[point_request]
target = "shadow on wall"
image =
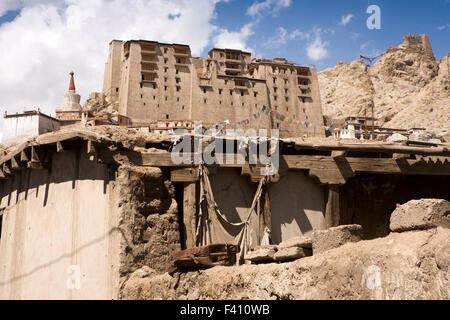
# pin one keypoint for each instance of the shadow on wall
(297, 206)
(370, 200)
(233, 193)
(66, 255)
(66, 166)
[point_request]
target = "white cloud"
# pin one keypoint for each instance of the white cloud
(445, 26)
(282, 36)
(267, 7)
(365, 44)
(234, 39)
(346, 19)
(317, 49)
(355, 35)
(48, 39)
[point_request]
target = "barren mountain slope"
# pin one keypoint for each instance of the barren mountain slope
(407, 87)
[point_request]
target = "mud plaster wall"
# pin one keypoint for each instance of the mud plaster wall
(370, 200)
(57, 219)
(148, 218)
(297, 205)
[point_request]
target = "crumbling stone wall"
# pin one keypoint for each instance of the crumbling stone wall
(149, 219)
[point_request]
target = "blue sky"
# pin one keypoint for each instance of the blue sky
(43, 40)
(345, 42)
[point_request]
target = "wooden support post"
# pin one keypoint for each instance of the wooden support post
(189, 213)
(90, 147)
(35, 162)
(266, 214)
(332, 214)
(15, 165)
(23, 156)
(34, 155)
(7, 168)
(59, 146)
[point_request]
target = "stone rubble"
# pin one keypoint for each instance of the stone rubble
(421, 214)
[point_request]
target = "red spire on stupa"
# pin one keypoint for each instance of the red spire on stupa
(72, 82)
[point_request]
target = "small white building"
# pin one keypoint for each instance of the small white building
(29, 123)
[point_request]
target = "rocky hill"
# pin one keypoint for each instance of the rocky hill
(407, 87)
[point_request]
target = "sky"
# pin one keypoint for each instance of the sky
(43, 40)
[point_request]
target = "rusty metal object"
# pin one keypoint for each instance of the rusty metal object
(204, 257)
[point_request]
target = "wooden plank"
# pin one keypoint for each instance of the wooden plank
(2, 175)
(184, 175)
(156, 159)
(328, 169)
(338, 154)
(400, 156)
(378, 148)
(332, 214)
(189, 213)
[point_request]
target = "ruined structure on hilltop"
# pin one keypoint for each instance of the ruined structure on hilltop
(150, 81)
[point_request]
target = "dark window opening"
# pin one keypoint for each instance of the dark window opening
(167, 116)
(220, 91)
(117, 89)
